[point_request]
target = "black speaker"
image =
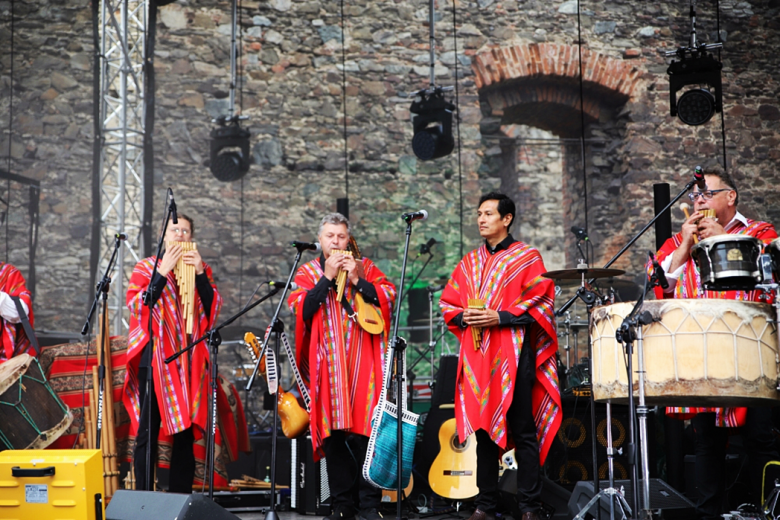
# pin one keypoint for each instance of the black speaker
(151, 505)
(257, 462)
(309, 490)
(662, 496)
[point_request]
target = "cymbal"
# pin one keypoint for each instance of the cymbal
(618, 284)
(576, 274)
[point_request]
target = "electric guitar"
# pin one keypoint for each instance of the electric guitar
(453, 473)
(294, 419)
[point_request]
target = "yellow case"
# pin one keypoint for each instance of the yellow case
(51, 484)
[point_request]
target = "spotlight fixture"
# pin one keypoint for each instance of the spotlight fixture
(696, 67)
(432, 125)
(230, 158)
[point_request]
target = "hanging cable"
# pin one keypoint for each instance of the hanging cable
(457, 125)
(722, 112)
(582, 117)
(10, 133)
(344, 99)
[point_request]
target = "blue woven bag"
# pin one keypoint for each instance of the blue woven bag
(381, 464)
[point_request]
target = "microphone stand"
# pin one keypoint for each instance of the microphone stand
(150, 303)
(631, 242)
(214, 341)
(102, 288)
(397, 347)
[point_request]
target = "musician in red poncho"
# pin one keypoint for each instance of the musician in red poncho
(711, 425)
(179, 396)
(507, 384)
(13, 341)
(341, 363)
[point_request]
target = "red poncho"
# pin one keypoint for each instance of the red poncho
(341, 363)
(14, 341)
(689, 286)
(181, 386)
(510, 280)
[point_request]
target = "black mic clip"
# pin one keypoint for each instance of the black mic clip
(426, 248)
(580, 233)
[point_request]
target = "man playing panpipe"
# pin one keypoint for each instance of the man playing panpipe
(711, 425)
(342, 363)
(179, 397)
(13, 341)
(507, 383)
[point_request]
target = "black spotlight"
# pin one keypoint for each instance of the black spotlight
(230, 157)
(432, 126)
(696, 106)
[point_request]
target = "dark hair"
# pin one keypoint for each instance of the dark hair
(725, 178)
(505, 204)
(192, 223)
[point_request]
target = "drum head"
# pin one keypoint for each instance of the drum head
(12, 370)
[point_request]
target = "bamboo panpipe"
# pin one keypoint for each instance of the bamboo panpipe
(708, 213)
(341, 278)
(185, 279)
(476, 332)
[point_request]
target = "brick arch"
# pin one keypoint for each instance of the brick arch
(500, 64)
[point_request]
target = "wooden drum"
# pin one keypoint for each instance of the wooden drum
(697, 353)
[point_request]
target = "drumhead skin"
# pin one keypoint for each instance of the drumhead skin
(12, 370)
(698, 352)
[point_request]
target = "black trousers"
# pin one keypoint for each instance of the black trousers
(520, 420)
(344, 456)
(710, 470)
(182, 457)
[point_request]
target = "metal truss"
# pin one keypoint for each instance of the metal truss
(123, 25)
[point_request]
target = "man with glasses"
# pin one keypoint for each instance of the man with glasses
(710, 424)
(179, 389)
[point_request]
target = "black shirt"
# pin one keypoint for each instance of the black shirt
(505, 318)
(317, 295)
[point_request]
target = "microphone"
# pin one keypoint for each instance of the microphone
(172, 205)
(698, 176)
(121, 236)
(417, 215)
(658, 272)
(579, 232)
(426, 248)
(304, 246)
(435, 288)
(281, 284)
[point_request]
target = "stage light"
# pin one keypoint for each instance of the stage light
(696, 107)
(432, 125)
(230, 157)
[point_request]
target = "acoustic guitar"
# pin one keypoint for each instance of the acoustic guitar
(391, 496)
(294, 418)
(368, 316)
(453, 473)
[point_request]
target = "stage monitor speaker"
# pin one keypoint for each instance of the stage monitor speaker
(151, 505)
(309, 490)
(662, 497)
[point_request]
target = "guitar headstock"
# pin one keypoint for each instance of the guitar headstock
(252, 345)
(354, 248)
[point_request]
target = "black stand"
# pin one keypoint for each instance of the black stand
(103, 287)
(149, 302)
(398, 345)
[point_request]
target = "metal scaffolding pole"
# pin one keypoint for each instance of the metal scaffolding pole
(123, 25)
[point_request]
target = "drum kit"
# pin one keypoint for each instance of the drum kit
(689, 352)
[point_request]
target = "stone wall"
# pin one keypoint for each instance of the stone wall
(517, 64)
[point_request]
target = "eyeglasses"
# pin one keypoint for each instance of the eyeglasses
(180, 231)
(706, 195)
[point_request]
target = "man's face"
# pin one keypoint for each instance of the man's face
(180, 232)
(490, 223)
(722, 201)
(333, 236)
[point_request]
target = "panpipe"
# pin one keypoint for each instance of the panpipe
(708, 213)
(341, 278)
(185, 279)
(476, 332)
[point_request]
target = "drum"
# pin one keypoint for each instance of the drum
(728, 262)
(773, 250)
(697, 353)
(32, 416)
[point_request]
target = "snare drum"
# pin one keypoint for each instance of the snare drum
(728, 262)
(32, 416)
(703, 352)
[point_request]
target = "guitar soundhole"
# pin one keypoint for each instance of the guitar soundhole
(457, 445)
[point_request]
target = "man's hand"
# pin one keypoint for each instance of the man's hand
(690, 228)
(332, 265)
(709, 227)
(169, 259)
(193, 258)
(480, 317)
(354, 269)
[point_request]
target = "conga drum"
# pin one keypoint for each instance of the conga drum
(32, 416)
(702, 352)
